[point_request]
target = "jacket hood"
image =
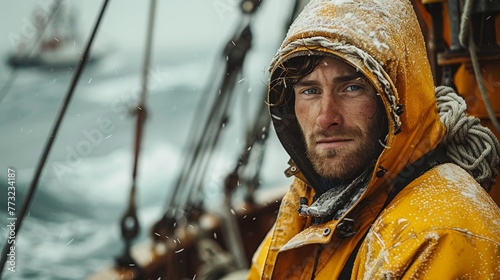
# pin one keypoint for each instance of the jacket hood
(382, 39)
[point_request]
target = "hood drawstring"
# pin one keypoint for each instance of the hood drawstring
(468, 144)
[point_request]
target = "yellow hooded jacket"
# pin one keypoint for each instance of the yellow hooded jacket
(442, 225)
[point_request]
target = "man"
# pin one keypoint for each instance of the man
(377, 187)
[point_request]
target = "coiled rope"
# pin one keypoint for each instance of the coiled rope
(468, 144)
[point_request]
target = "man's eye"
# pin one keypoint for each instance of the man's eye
(353, 88)
(309, 91)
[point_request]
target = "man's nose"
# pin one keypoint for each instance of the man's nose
(329, 115)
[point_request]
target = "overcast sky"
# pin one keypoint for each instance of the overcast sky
(180, 23)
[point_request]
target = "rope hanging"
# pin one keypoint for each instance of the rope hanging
(467, 41)
(469, 144)
(129, 223)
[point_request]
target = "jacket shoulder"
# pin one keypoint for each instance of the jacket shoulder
(445, 197)
(442, 224)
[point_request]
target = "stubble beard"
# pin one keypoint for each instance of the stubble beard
(344, 163)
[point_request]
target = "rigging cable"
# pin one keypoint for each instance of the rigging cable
(208, 135)
(204, 141)
(129, 222)
(236, 51)
(196, 128)
(13, 73)
(257, 135)
(204, 138)
(247, 170)
(53, 133)
(467, 40)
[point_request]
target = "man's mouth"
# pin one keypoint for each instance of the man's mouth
(332, 142)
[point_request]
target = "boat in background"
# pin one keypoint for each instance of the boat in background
(56, 42)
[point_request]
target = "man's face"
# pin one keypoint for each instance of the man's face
(337, 110)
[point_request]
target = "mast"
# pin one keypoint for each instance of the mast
(130, 223)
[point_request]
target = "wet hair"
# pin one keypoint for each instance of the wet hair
(287, 74)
